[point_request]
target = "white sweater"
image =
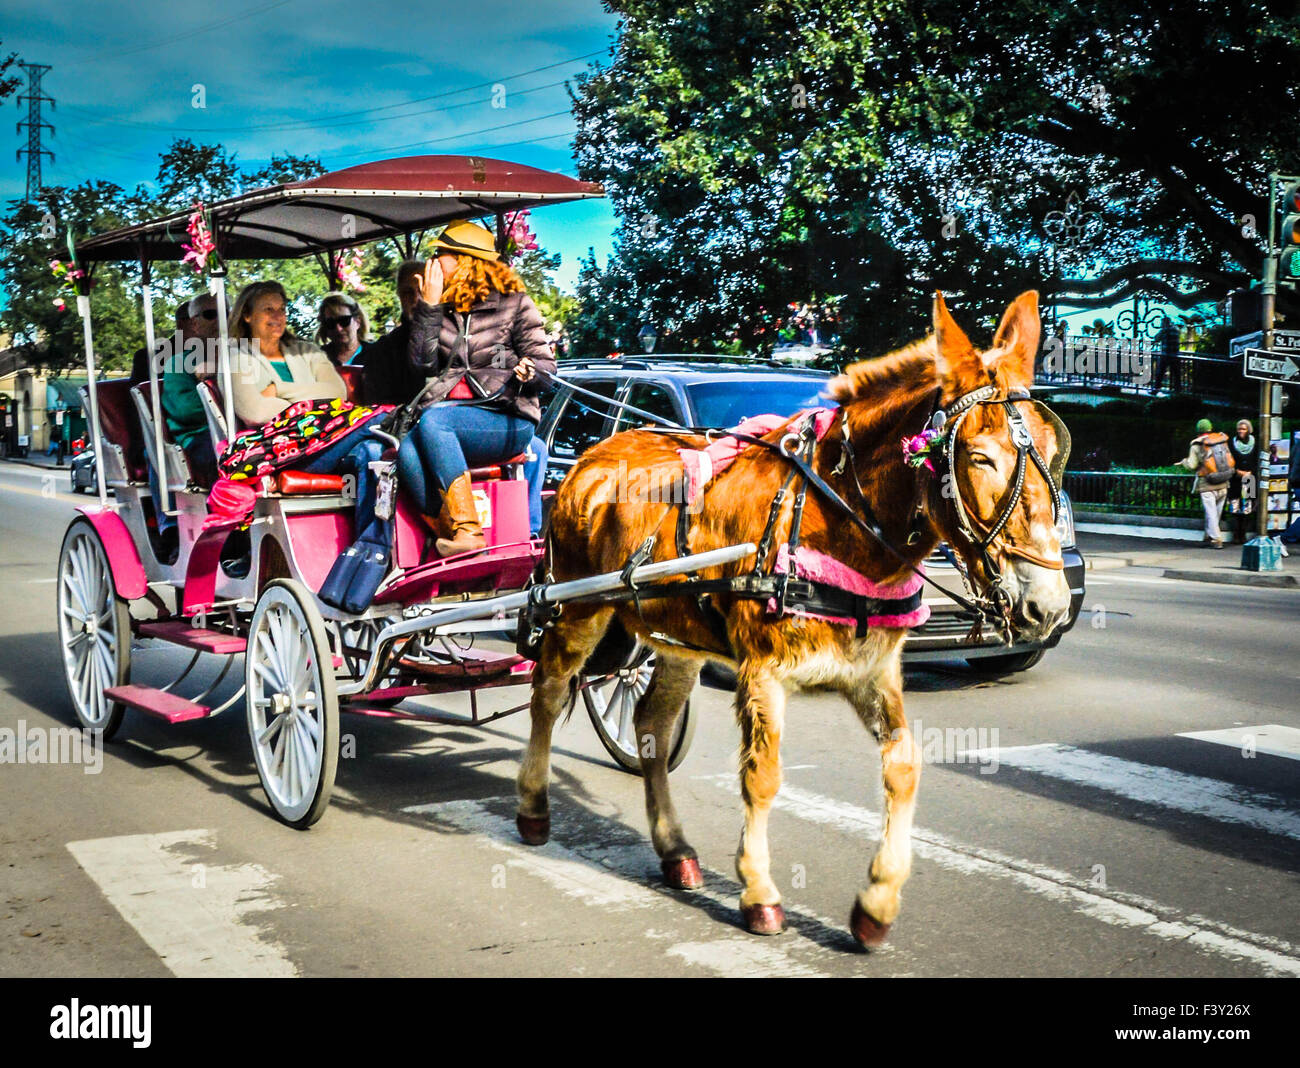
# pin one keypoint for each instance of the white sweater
(311, 377)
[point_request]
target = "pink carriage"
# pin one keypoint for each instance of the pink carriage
(305, 662)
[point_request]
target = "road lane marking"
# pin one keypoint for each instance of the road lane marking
(1153, 785)
(1111, 578)
(624, 876)
(741, 957)
(196, 916)
(1114, 907)
(1271, 739)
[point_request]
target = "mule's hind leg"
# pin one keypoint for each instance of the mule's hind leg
(655, 718)
(565, 649)
(760, 709)
(876, 907)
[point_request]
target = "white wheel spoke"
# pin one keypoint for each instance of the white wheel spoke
(305, 754)
(309, 725)
(290, 766)
(268, 732)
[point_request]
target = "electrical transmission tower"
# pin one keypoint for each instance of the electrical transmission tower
(34, 98)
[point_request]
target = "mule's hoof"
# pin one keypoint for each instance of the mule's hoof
(763, 919)
(683, 874)
(534, 830)
(869, 933)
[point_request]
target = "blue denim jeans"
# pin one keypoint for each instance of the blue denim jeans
(535, 474)
(351, 455)
(448, 440)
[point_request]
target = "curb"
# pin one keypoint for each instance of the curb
(1236, 578)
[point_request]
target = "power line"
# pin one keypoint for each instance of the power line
(313, 124)
(183, 36)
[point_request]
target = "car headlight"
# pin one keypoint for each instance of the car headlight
(1065, 523)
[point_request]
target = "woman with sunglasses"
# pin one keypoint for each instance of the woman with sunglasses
(480, 340)
(343, 330)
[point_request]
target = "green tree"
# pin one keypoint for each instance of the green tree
(759, 153)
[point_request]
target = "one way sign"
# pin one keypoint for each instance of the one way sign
(1271, 366)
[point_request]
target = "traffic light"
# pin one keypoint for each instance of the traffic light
(1288, 264)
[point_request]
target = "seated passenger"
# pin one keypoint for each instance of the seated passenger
(389, 376)
(281, 370)
(343, 330)
(273, 369)
(480, 338)
(179, 372)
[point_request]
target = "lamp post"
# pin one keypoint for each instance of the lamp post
(647, 336)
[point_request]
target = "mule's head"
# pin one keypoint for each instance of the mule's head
(975, 500)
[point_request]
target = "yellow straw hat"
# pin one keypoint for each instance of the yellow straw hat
(465, 238)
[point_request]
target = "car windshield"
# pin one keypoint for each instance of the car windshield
(725, 403)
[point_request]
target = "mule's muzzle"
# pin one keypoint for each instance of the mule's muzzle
(1041, 602)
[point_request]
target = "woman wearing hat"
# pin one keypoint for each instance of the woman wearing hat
(480, 340)
(1245, 455)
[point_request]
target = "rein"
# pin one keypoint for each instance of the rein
(791, 448)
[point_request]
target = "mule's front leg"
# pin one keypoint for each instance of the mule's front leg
(656, 716)
(760, 709)
(876, 907)
(565, 649)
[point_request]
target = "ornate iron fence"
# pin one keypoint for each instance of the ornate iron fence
(1134, 366)
(1141, 494)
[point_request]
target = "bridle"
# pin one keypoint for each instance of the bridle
(947, 422)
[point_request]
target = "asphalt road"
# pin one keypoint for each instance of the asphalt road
(1079, 834)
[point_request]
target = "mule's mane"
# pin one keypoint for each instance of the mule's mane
(891, 379)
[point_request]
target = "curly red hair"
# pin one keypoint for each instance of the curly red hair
(474, 279)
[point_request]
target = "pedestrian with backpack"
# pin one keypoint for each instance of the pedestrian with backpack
(1211, 459)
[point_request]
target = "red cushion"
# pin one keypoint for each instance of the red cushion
(305, 482)
(493, 471)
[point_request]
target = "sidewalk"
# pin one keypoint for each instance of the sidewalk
(35, 459)
(1184, 560)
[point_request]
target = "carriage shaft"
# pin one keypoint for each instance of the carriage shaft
(549, 594)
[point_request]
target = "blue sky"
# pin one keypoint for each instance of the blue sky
(312, 77)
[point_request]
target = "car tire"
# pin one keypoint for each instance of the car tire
(1008, 664)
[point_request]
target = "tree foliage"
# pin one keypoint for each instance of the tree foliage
(764, 152)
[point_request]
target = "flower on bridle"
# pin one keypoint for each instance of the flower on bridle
(917, 450)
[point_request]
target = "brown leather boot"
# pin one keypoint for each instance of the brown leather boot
(459, 518)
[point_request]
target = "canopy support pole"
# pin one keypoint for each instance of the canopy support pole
(83, 309)
(217, 286)
(150, 342)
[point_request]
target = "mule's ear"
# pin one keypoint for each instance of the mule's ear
(953, 352)
(1015, 345)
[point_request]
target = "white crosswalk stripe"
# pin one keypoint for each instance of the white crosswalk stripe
(1153, 785)
(1113, 907)
(626, 876)
(193, 914)
(1268, 739)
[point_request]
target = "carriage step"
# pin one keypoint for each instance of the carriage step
(166, 706)
(178, 632)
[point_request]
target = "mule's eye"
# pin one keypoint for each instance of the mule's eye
(980, 459)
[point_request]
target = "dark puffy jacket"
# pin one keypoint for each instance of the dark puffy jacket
(388, 376)
(482, 345)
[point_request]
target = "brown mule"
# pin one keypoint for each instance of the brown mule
(596, 524)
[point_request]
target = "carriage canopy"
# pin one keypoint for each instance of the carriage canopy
(348, 208)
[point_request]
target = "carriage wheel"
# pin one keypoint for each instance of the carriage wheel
(94, 629)
(611, 704)
(293, 707)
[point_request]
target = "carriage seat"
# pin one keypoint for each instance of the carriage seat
(119, 428)
(505, 469)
